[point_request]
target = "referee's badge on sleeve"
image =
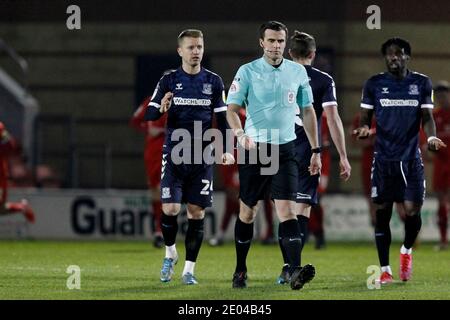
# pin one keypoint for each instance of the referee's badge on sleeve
(291, 97)
(234, 88)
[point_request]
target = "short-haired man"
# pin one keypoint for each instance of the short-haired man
(190, 95)
(401, 102)
(303, 51)
(272, 88)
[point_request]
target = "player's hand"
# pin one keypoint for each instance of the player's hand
(435, 144)
(244, 140)
(345, 169)
(166, 102)
(362, 132)
(4, 134)
(315, 165)
(227, 159)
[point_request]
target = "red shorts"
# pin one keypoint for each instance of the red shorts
(441, 176)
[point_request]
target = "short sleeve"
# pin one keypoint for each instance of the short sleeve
(304, 93)
(218, 102)
(161, 89)
(367, 99)
(239, 88)
(329, 95)
(427, 93)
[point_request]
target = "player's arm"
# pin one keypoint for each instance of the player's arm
(363, 132)
(336, 128)
(222, 124)
(429, 126)
(235, 124)
(7, 142)
(137, 121)
(305, 101)
(160, 102)
(220, 111)
(366, 112)
(237, 95)
(310, 126)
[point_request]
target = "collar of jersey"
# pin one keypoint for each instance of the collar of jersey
(188, 74)
(269, 68)
(391, 76)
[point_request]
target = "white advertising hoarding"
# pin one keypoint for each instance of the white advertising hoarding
(126, 214)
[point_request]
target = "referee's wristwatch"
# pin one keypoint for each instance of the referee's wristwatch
(316, 150)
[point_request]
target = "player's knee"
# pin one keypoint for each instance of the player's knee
(247, 214)
(196, 213)
(412, 209)
(288, 215)
(171, 209)
(303, 209)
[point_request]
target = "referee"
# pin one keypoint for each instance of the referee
(272, 89)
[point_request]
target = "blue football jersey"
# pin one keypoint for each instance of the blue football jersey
(324, 93)
(397, 108)
(195, 98)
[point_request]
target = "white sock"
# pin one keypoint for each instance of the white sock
(403, 250)
(386, 269)
(189, 267)
(171, 252)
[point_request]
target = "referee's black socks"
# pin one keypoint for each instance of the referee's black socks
(303, 225)
(243, 234)
(291, 241)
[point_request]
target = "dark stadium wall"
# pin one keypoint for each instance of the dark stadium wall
(90, 74)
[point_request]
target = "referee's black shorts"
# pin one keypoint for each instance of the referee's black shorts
(281, 185)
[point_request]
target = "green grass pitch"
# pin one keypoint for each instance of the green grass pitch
(130, 270)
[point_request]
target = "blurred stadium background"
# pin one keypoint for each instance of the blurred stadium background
(67, 95)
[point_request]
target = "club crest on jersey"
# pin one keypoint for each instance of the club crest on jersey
(291, 96)
(179, 86)
(385, 90)
(413, 89)
(207, 88)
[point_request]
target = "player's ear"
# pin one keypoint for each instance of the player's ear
(290, 54)
(312, 55)
(179, 52)
(261, 43)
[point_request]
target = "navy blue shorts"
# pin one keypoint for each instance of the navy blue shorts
(398, 181)
(307, 190)
(280, 186)
(186, 183)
